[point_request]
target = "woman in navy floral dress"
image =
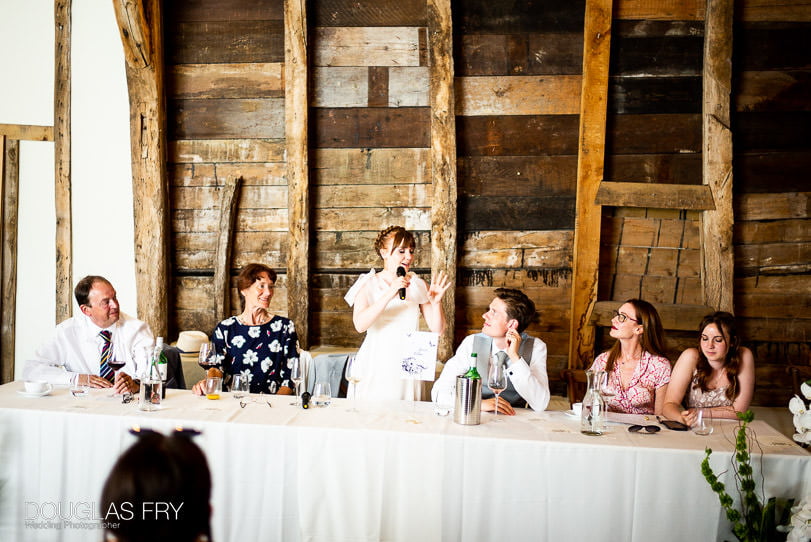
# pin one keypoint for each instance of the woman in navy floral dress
(256, 343)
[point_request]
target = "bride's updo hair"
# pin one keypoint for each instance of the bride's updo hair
(400, 236)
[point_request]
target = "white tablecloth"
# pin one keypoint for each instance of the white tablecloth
(284, 473)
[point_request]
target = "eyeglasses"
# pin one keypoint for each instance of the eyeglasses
(622, 317)
(647, 428)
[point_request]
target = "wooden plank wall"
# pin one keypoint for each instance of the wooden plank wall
(370, 146)
(225, 91)
(518, 68)
(772, 233)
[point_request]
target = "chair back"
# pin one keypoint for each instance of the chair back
(575, 384)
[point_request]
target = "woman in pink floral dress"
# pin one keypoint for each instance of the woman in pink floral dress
(638, 371)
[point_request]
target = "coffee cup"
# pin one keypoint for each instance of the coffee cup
(36, 386)
(577, 408)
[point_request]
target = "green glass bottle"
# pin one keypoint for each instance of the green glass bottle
(473, 373)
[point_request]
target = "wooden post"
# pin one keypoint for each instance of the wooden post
(140, 24)
(717, 257)
(296, 104)
(594, 96)
(443, 160)
(222, 257)
(62, 165)
(9, 194)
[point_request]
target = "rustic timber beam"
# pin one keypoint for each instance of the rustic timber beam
(296, 104)
(222, 256)
(717, 256)
(27, 132)
(590, 157)
(141, 33)
(443, 160)
(9, 195)
(659, 196)
(62, 164)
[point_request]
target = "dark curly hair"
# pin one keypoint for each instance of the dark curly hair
(519, 307)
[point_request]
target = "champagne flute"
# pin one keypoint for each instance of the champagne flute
(296, 376)
(497, 381)
(352, 374)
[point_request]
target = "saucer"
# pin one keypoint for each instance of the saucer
(43, 393)
(572, 414)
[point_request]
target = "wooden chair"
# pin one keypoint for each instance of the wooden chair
(575, 384)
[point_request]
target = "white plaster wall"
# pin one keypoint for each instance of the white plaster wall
(101, 173)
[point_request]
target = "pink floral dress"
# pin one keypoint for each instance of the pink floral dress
(651, 373)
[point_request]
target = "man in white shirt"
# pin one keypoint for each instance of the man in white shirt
(503, 340)
(81, 346)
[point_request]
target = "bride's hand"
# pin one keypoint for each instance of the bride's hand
(439, 284)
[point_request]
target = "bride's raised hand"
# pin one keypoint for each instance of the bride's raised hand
(439, 284)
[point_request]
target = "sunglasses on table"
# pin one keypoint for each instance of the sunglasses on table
(644, 428)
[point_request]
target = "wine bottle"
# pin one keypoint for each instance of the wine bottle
(472, 372)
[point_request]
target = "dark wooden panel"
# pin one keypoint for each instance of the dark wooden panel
(525, 135)
(517, 16)
(629, 134)
(510, 213)
(533, 54)
(650, 29)
(223, 10)
(772, 46)
(772, 172)
(640, 95)
(654, 168)
(771, 131)
(367, 13)
(226, 118)
(676, 55)
(773, 91)
(517, 175)
(378, 127)
(228, 41)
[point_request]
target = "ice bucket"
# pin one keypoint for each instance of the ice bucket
(468, 406)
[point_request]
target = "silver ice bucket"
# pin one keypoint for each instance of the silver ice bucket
(468, 404)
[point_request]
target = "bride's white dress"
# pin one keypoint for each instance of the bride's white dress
(377, 358)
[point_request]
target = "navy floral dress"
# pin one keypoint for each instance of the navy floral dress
(262, 352)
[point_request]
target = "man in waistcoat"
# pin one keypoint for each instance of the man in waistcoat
(503, 340)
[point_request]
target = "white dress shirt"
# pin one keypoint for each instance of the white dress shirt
(75, 349)
(528, 379)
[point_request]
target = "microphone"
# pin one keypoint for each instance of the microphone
(401, 273)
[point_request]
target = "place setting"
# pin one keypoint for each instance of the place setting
(35, 389)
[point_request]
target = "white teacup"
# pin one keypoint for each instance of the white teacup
(577, 408)
(33, 386)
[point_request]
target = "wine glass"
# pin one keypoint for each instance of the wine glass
(497, 381)
(115, 363)
(607, 389)
(207, 357)
(352, 374)
(296, 376)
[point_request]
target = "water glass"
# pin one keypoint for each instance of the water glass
(703, 425)
(322, 395)
(213, 388)
(240, 386)
(79, 390)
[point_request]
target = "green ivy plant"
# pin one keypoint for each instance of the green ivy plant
(755, 521)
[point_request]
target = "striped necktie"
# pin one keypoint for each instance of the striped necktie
(104, 369)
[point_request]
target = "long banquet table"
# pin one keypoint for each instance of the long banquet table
(390, 471)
